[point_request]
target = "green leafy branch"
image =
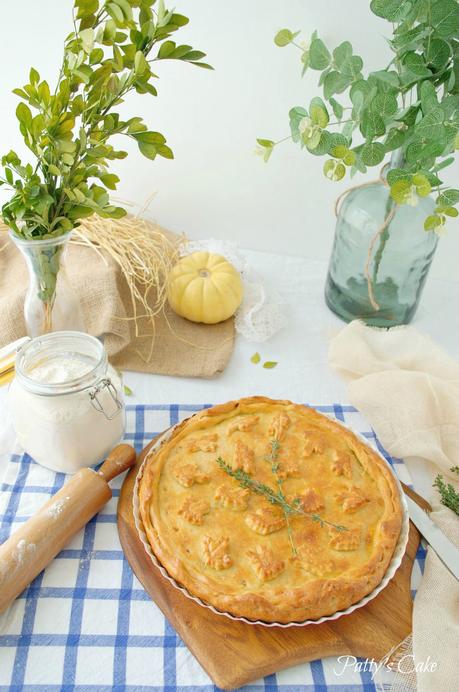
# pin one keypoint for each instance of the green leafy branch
(448, 494)
(109, 54)
(412, 105)
(276, 497)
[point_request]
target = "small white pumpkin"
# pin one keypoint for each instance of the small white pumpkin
(204, 287)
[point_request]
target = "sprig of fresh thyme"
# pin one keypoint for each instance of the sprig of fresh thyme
(278, 498)
(273, 459)
(448, 495)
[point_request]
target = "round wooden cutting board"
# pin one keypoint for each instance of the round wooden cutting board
(234, 653)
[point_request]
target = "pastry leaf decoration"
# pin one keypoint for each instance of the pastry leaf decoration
(275, 497)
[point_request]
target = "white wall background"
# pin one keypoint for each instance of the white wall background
(216, 186)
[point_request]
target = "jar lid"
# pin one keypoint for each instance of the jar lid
(74, 346)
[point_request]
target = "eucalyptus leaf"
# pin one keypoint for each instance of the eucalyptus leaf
(342, 53)
(284, 37)
(403, 192)
(418, 151)
(372, 124)
(360, 94)
(431, 222)
(404, 39)
(395, 174)
(333, 170)
(319, 55)
(392, 10)
(445, 17)
(388, 77)
(433, 179)
(334, 83)
(351, 67)
(449, 211)
(338, 140)
(422, 184)
(372, 153)
(416, 65)
(318, 112)
(305, 61)
(449, 197)
(395, 139)
(438, 53)
(444, 163)
(429, 125)
(428, 95)
(296, 115)
(337, 108)
(323, 145)
(384, 104)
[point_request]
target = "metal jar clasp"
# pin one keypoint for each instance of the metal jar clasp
(107, 384)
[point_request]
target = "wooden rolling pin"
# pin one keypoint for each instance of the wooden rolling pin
(39, 540)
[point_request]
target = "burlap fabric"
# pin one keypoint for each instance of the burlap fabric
(180, 347)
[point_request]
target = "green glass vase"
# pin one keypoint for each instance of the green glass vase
(379, 277)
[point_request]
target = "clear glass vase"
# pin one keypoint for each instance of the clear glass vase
(50, 303)
(378, 276)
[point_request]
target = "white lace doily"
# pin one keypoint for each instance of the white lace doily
(260, 314)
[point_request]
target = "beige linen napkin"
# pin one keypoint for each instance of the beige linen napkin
(408, 389)
(180, 347)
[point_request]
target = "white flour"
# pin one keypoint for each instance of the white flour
(57, 507)
(65, 432)
(22, 549)
(60, 370)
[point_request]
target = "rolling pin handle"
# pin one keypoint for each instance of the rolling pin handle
(120, 458)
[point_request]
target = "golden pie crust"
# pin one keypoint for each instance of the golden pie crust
(231, 547)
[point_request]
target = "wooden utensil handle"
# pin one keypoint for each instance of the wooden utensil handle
(24, 554)
(421, 501)
(38, 540)
(120, 458)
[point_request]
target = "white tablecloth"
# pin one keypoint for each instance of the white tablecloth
(302, 373)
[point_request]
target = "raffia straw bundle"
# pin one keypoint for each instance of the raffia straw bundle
(144, 254)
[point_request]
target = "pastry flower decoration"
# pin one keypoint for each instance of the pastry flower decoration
(276, 497)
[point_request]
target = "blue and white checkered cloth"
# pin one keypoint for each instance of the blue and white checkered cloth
(86, 624)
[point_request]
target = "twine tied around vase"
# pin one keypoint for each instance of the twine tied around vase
(374, 304)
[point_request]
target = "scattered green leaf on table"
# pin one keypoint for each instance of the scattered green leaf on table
(270, 364)
(255, 358)
(127, 390)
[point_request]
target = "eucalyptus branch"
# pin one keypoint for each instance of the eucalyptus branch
(422, 73)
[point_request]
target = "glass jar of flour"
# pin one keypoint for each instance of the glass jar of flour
(66, 401)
